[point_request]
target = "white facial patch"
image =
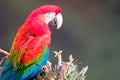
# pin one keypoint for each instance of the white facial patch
(49, 16)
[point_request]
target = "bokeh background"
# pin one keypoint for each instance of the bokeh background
(90, 32)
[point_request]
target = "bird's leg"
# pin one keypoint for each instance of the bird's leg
(47, 67)
(46, 72)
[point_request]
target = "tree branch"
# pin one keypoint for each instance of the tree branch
(61, 71)
(4, 52)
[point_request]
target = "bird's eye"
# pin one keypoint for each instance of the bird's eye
(49, 13)
(49, 16)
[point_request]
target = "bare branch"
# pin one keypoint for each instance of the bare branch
(4, 52)
(2, 60)
(58, 55)
(62, 71)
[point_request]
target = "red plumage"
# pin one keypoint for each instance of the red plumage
(34, 34)
(30, 49)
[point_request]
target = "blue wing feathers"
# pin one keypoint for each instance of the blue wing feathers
(8, 71)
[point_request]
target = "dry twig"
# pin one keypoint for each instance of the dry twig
(62, 71)
(4, 52)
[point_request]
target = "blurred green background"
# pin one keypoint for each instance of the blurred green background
(90, 32)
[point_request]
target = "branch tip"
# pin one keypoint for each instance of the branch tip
(4, 52)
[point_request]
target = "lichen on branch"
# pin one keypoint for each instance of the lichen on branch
(62, 70)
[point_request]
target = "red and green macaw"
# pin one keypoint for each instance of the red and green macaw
(30, 48)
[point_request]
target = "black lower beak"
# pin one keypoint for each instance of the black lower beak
(53, 23)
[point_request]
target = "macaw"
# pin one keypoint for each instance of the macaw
(30, 48)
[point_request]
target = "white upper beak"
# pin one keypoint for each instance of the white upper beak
(59, 20)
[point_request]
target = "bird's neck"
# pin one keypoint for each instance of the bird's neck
(37, 26)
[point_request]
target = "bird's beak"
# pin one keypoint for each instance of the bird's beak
(56, 21)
